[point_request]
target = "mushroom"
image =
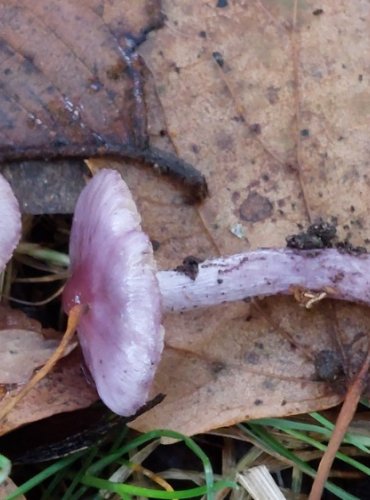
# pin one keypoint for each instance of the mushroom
(10, 222)
(113, 272)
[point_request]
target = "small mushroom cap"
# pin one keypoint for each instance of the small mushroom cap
(10, 222)
(113, 272)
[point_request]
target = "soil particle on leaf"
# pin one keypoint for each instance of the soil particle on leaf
(328, 366)
(252, 358)
(347, 247)
(318, 235)
(255, 128)
(235, 197)
(217, 367)
(272, 94)
(218, 57)
(155, 244)
(238, 119)
(189, 267)
(116, 71)
(225, 142)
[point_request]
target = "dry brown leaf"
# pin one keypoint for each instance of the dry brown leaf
(226, 94)
(16, 319)
(8, 487)
(64, 389)
(274, 158)
(21, 352)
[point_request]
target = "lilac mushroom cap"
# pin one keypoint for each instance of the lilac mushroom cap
(113, 272)
(10, 222)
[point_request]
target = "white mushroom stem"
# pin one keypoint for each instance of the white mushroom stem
(329, 272)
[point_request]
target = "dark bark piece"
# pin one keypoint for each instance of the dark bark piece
(163, 162)
(71, 83)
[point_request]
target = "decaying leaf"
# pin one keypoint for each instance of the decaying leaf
(89, 93)
(7, 488)
(22, 350)
(277, 111)
(64, 389)
(87, 99)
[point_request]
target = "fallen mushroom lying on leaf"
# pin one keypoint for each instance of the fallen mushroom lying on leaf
(113, 272)
(10, 222)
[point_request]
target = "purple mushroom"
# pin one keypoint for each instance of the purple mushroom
(113, 271)
(10, 222)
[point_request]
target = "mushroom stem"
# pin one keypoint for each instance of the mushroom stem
(266, 272)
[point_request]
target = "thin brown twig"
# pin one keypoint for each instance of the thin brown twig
(345, 417)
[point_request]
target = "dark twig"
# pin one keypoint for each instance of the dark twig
(163, 162)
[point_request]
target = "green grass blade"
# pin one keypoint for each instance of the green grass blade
(354, 439)
(283, 424)
(190, 443)
(45, 474)
(348, 460)
(269, 442)
(129, 489)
